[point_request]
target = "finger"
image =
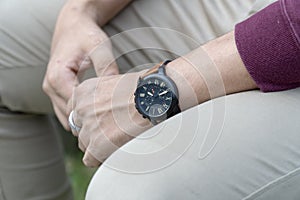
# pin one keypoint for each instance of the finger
(60, 106)
(60, 79)
(59, 92)
(84, 65)
(71, 104)
(81, 146)
(62, 118)
(89, 160)
(112, 69)
(103, 60)
(66, 87)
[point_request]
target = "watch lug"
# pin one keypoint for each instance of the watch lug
(139, 81)
(154, 122)
(161, 70)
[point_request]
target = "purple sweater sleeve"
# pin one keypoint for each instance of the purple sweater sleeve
(269, 45)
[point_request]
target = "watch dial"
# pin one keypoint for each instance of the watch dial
(154, 97)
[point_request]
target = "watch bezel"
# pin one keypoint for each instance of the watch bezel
(170, 84)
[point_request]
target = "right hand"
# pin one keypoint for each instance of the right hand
(76, 35)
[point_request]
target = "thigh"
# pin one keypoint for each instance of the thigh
(244, 146)
(25, 35)
(151, 31)
(32, 162)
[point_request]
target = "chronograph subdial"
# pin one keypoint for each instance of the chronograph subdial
(155, 98)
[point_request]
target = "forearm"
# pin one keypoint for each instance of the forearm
(214, 69)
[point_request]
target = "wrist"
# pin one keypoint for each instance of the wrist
(212, 70)
(224, 54)
(190, 84)
(81, 8)
(101, 11)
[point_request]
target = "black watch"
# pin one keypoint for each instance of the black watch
(156, 96)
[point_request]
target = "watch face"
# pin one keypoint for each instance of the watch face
(154, 97)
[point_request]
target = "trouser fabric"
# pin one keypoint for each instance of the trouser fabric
(31, 155)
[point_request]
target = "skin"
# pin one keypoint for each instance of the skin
(109, 119)
(104, 106)
(71, 46)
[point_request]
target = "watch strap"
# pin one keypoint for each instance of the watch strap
(175, 110)
(155, 69)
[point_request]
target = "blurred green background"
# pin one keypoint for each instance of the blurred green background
(79, 174)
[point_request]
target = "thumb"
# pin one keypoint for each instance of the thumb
(103, 59)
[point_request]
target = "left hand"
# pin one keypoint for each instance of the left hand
(78, 43)
(104, 109)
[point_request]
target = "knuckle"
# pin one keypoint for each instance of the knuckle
(89, 160)
(88, 163)
(49, 83)
(46, 87)
(52, 79)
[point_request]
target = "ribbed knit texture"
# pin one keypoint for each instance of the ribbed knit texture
(269, 45)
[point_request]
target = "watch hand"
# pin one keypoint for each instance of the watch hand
(150, 94)
(164, 92)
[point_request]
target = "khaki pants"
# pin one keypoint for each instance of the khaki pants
(256, 157)
(31, 154)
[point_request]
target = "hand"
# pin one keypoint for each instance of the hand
(104, 109)
(76, 35)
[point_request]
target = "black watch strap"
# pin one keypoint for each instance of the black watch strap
(175, 110)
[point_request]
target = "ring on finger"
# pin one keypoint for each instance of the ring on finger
(72, 125)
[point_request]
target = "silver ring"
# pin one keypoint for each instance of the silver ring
(72, 124)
